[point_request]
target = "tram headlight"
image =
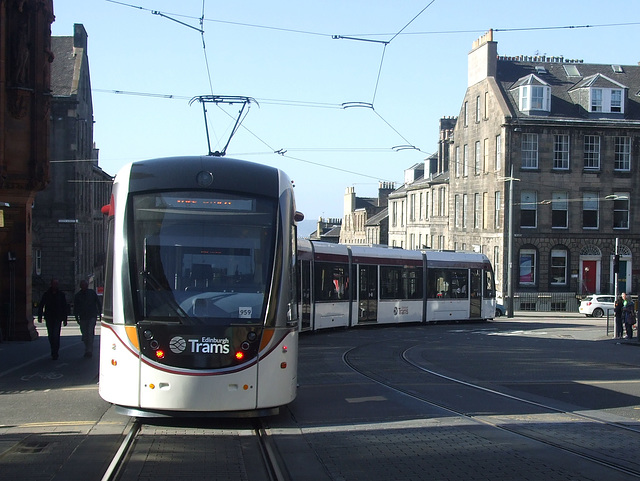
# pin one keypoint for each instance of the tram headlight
(148, 335)
(160, 354)
(154, 344)
(239, 355)
(245, 346)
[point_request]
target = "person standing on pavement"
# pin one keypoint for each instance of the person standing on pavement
(53, 306)
(86, 309)
(629, 317)
(617, 311)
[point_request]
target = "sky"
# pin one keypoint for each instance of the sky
(344, 92)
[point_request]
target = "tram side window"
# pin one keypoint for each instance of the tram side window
(448, 283)
(331, 282)
(459, 281)
(489, 285)
(397, 282)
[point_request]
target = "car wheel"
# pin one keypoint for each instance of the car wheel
(597, 312)
(498, 313)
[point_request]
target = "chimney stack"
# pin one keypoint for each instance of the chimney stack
(483, 59)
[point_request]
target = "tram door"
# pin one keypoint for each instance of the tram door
(475, 304)
(305, 294)
(367, 294)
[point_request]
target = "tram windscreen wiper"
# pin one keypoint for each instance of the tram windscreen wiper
(168, 299)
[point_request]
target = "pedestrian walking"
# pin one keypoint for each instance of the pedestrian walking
(53, 306)
(86, 309)
(617, 311)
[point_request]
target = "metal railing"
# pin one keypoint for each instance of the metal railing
(546, 301)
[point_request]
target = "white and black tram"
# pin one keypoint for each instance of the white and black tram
(199, 309)
(347, 286)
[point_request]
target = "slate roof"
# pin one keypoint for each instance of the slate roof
(563, 106)
(379, 217)
(63, 66)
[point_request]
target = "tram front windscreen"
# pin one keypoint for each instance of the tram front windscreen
(202, 258)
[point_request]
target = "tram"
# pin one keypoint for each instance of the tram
(199, 314)
(348, 286)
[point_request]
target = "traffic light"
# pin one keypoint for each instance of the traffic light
(616, 264)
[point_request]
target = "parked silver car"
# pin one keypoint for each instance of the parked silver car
(597, 305)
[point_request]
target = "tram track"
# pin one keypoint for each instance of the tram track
(525, 429)
(273, 466)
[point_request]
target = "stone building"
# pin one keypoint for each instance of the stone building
(25, 59)
(69, 230)
(419, 209)
(359, 225)
(564, 136)
(327, 230)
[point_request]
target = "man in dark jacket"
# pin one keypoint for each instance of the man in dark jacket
(87, 308)
(54, 307)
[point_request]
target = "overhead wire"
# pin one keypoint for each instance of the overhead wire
(201, 30)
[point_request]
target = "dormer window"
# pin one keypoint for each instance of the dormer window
(534, 94)
(605, 95)
(606, 100)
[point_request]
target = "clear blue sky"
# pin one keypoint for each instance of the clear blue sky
(282, 53)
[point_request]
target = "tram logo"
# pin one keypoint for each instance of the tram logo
(177, 345)
(400, 311)
(203, 345)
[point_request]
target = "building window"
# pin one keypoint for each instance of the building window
(527, 267)
(537, 98)
(497, 209)
(621, 210)
(464, 210)
(456, 210)
(466, 114)
(559, 210)
(478, 108)
(458, 169)
(394, 217)
(616, 100)
(534, 97)
(476, 211)
(412, 207)
(420, 207)
(476, 160)
(622, 153)
(606, 100)
(590, 210)
(426, 205)
(465, 160)
(596, 100)
(529, 151)
(528, 209)
(561, 152)
(591, 152)
(443, 201)
(559, 267)
(485, 206)
(498, 152)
